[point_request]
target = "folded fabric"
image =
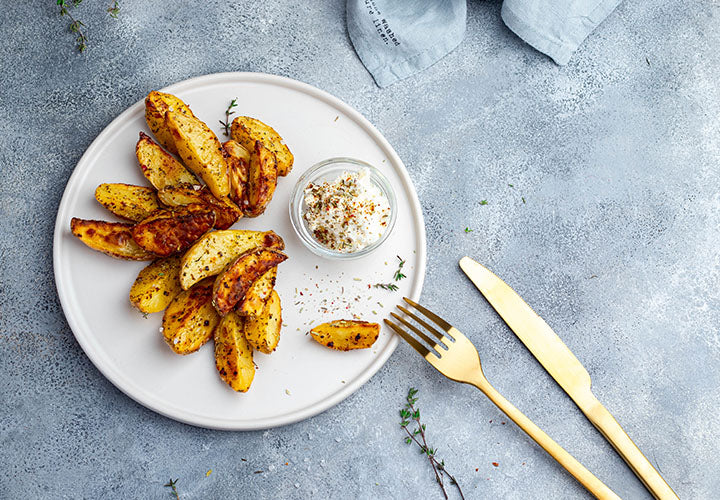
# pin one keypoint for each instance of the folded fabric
(397, 38)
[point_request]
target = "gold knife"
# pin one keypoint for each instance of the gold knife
(565, 368)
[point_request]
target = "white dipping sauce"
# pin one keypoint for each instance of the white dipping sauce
(347, 214)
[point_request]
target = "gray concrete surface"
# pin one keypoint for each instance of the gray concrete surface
(616, 245)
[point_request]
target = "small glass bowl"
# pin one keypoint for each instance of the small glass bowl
(329, 170)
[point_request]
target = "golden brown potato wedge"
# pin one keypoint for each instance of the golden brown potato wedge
(130, 202)
(156, 285)
(200, 149)
(263, 331)
(173, 230)
(345, 335)
(211, 253)
(112, 238)
(247, 130)
(233, 283)
(238, 162)
(262, 180)
(258, 294)
(190, 319)
(226, 212)
(156, 105)
(233, 354)
(160, 167)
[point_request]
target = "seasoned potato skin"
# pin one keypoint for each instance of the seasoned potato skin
(173, 230)
(233, 283)
(238, 160)
(214, 251)
(200, 150)
(129, 202)
(160, 167)
(111, 238)
(156, 285)
(190, 319)
(345, 335)
(246, 130)
(262, 180)
(263, 331)
(233, 354)
(156, 105)
(226, 212)
(254, 301)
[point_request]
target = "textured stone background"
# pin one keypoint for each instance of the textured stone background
(616, 246)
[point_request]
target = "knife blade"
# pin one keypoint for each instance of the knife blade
(564, 367)
(531, 329)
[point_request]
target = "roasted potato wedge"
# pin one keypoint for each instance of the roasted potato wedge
(345, 335)
(190, 319)
(211, 253)
(130, 202)
(111, 238)
(160, 167)
(263, 331)
(238, 161)
(233, 283)
(226, 212)
(156, 285)
(262, 180)
(156, 105)
(173, 230)
(233, 354)
(247, 130)
(200, 150)
(258, 294)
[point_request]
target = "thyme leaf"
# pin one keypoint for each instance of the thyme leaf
(228, 112)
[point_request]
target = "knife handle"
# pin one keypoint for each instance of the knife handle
(575, 468)
(603, 420)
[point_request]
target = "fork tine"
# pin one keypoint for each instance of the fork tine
(429, 328)
(434, 317)
(421, 349)
(418, 332)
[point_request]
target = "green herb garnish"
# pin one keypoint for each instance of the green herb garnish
(468, 230)
(228, 112)
(409, 415)
(171, 484)
(483, 202)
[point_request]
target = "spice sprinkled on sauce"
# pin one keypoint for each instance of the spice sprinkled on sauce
(347, 214)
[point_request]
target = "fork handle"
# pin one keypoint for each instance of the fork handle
(575, 468)
(628, 450)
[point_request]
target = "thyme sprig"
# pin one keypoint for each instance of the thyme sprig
(76, 26)
(114, 9)
(228, 112)
(410, 414)
(171, 484)
(397, 277)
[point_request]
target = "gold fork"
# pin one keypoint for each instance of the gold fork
(458, 360)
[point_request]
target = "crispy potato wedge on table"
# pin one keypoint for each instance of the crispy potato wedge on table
(238, 162)
(111, 238)
(160, 167)
(226, 212)
(156, 105)
(345, 335)
(233, 354)
(190, 319)
(156, 285)
(173, 230)
(233, 283)
(200, 150)
(262, 180)
(258, 294)
(130, 202)
(246, 130)
(211, 253)
(263, 331)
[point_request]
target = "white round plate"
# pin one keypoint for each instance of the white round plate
(301, 378)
